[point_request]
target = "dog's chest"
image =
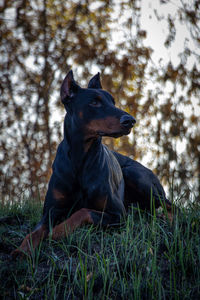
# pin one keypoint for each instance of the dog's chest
(101, 174)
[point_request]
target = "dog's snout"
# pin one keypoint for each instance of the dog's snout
(127, 121)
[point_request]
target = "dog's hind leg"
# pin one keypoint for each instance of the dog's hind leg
(170, 210)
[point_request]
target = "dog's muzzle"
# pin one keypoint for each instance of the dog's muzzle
(127, 121)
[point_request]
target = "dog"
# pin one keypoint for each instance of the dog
(91, 184)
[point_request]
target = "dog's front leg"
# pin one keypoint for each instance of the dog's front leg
(31, 241)
(81, 217)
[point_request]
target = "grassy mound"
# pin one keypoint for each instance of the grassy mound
(145, 258)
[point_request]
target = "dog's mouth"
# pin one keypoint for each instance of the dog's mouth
(115, 134)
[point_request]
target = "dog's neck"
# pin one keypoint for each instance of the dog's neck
(79, 143)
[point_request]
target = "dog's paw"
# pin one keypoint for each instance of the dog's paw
(18, 253)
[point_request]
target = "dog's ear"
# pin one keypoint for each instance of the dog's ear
(68, 88)
(95, 82)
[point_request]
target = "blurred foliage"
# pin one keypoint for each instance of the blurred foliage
(175, 104)
(41, 40)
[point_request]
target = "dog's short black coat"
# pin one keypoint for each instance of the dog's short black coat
(90, 183)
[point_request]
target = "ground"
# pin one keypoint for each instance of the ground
(146, 257)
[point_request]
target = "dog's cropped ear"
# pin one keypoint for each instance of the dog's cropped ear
(68, 88)
(95, 82)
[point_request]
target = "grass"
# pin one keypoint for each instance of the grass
(145, 258)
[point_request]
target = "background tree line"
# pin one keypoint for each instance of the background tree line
(41, 40)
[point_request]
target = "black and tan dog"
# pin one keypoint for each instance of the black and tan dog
(91, 184)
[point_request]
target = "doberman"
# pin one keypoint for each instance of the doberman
(91, 184)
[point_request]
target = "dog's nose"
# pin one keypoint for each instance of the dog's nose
(127, 121)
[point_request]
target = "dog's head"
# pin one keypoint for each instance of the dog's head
(93, 109)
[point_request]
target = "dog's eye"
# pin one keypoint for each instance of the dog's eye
(95, 103)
